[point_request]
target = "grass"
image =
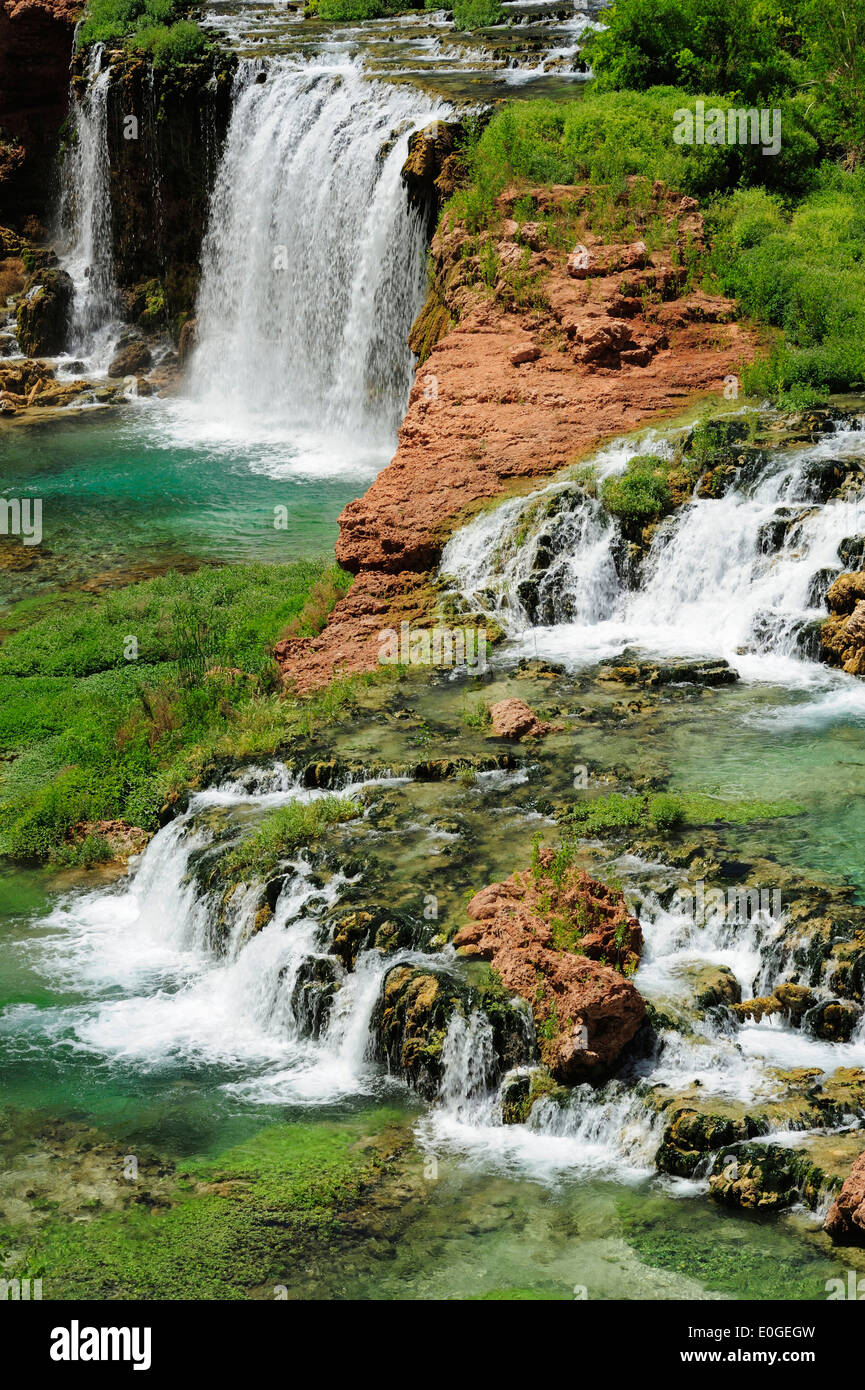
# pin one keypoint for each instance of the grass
(477, 14)
(87, 734)
(667, 812)
(284, 831)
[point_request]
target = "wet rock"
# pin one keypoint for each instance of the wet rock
(713, 985)
(669, 673)
(845, 1222)
(43, 314)
(132, 358)
(767, 1177)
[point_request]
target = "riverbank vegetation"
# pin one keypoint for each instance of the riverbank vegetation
(160, 28)
(110, 705)
(785, 228)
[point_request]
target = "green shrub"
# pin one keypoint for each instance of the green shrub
(800, 270)
(477, 14)
(641, 494)
(737, 47)
(157, 27)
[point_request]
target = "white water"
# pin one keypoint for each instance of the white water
(708, 587)
(86, 251)
(313, 265)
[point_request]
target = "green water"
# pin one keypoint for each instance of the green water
(153, 487)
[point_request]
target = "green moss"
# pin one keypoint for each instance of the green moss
(237, 1224)
(286, 830)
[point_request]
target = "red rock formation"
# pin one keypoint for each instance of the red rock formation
(846, 1220)
(485, 412)
(515, 719)
(556, 945)
(35, 53)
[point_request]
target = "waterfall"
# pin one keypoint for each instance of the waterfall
(313, 263)
(87, 252)
(739, 576)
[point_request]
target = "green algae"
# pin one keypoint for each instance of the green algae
(236, 1226)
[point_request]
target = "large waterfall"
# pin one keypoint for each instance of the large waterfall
(313, 265)
(85, 219)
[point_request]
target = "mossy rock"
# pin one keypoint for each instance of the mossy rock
(43, 313)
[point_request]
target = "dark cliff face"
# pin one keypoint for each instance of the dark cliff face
(36, 38)
(165, 134)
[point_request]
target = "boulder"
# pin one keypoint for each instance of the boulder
(561, 940)
(845, 1222)
(131, 359)
(515, 719)
(518, 355)
(43, 314)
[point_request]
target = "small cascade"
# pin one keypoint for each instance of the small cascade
(87, 252)
(470, 1065)
(313, 264)
(741, 576)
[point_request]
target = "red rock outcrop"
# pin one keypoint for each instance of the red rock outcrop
(561, 941)
(35, 53)
(515, 719)
(846, 1220)
(516, 383)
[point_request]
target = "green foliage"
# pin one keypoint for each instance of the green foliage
(230, 1223)
(87, 734)
(800, 270)
(742, 48)
(284, 831)
(641, 494)
(477, 14)
(604, 137)
(157, 27)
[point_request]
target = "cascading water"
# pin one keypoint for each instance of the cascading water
(87, 252)
(313, 264)
(734, 576)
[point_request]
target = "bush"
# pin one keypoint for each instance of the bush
(157, 27)
(801, 271)
(640, 495)
(477, 14)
